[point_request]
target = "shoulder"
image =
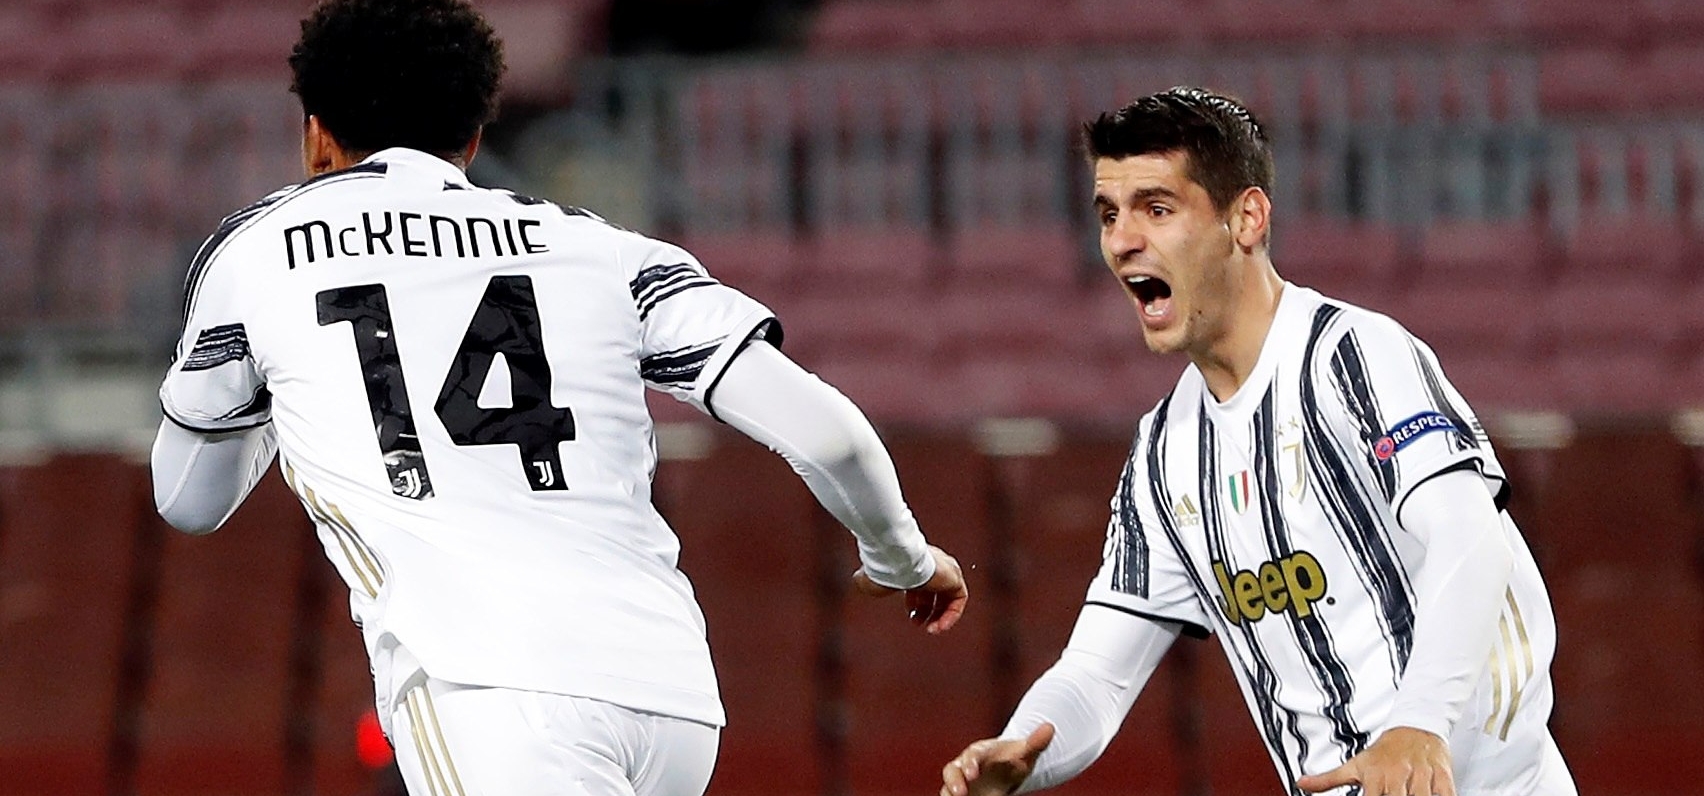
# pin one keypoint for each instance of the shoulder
(290, 198)
(635, 249)
(1176, 410)
(1338, 329)
(232, 229)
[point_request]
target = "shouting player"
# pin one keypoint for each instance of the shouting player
(1313, 491)
(454, 380)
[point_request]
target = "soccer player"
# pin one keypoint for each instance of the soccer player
(453, 378)
(1313, 490)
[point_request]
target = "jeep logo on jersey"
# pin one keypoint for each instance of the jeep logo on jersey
(1409, 430)
(1292, 583)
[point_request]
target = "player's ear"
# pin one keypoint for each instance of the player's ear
(319, 150)
(472, 147)
(1251, 218)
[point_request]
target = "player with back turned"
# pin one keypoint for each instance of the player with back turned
(453, 380)
(1313, 490)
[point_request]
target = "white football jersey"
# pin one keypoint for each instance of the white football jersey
(456, 376)
(1271, 520)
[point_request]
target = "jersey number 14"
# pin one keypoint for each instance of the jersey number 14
(506, 322)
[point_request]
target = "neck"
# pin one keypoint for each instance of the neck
(341, 159)
(1228, 362)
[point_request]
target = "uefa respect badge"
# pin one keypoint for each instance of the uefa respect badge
(1407, 431)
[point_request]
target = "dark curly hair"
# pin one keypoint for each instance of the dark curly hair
(421, 74)
(1227, 147)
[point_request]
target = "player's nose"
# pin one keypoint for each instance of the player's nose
(1122, 239)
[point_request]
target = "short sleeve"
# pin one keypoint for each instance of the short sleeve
(214, 384)
(1400, 414)
(692, 326)
(1141, 572)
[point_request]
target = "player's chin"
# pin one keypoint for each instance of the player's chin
(1164, 341)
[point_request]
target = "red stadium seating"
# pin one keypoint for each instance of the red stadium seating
(760, 260)
(1668, 76)
(1592, 313)
(215, 715)
(1102, 22)
(1266, 22)
(901, 388)
(1472, 319)
(1350, 260)
(912, 700)
(865, 25)
(245, 39)
(1588, 80)
(871, 261)
(342, 692)
(1043, 256)
(1554, 22)
(1062, 384)
(1610, 700)
(854, 326)
(1636, 248)
(1609, 381)
(1390, 19)
(70, 529)
(125, 43)
(539, 40)
(1492, 254)
(28, 44)
(1674, 20)
(1004, 322)
(752, 547)
(988, 24)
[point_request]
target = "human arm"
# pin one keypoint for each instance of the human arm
(1459, 595)
(1070, 714)
(833, 448)
(201, 478)
(216, 439)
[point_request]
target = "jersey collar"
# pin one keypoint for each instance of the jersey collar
(415, 159)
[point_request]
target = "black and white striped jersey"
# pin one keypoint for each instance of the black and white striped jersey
(457, 376)
(1271, 520)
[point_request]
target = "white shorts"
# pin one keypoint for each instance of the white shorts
(457, 740)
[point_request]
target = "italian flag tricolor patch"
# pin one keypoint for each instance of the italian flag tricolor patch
(1239, 491)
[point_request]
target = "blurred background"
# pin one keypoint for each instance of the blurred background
(1521, 182)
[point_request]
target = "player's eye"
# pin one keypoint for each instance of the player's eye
(1107, 217)
(1158, 211)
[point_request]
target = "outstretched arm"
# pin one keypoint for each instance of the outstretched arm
(834, 449)
(1071, 713)
(200, 479)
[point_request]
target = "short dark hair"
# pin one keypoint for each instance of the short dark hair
(421, 74)
(1227, 147)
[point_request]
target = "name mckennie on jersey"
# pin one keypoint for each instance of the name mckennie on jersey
(411, 235)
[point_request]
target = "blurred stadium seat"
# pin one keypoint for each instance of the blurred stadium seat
(1588, 79)
(865, 25)
(1353, 260)
(1520, 183)
(906, 712)
(341, 692)
(1664, 76)
(216, 713)
(67, 575)
(1046, 257)
(234, 40)
(753, 564)
(872, 260)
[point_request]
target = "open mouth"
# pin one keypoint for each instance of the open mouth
(1153, 293)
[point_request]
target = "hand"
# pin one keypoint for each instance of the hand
(1404, 761)
(937, 604)
(994, 767)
